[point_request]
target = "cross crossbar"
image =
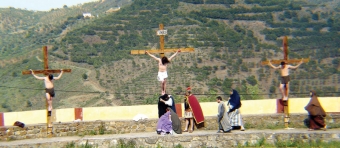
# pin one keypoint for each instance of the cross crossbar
(161, 32)
(285, 56)
(159, 51)
(46, 70)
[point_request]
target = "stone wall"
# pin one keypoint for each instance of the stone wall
(272, 121)
(198, 139)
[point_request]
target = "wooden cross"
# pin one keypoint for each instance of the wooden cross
(287, 61)
(46, 71)
(161, 32)
(285, 56)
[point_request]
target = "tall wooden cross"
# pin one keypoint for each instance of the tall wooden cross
(287, 61)
(46, 71)
(161, 32)
(285, 56)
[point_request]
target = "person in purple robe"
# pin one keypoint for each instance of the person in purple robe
(164, 125)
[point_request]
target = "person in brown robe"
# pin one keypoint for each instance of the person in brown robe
(316, 113)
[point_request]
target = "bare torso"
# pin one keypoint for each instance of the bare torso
(161, 67)
(48, 83)
(285, 70)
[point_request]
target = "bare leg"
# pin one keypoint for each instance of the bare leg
(287, 90)
(162, 89)
(49, 108)
(49, 101)
(186, 124)
(282, 90)
(164, 85)
(191, 125)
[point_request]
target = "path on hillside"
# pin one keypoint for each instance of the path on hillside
(93, 83)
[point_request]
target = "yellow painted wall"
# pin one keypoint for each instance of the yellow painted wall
(329, 104)
(119, 112)
(27, 117)
(209, 108)
(64, 115)
(267, 106)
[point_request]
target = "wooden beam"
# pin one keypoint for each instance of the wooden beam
(285, 47)
(161, 41)
(27, 72)
(161, 33)
(164, 50)
(290, 61)
(45, 57)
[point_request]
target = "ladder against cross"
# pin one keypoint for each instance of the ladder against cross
(161, 32)
(46, 71)
(287, 61)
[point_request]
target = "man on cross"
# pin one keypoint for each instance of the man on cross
(162, 68)
(284, 77)
(49, 87)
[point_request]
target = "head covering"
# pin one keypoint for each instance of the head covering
(165, 97)
(314, 107)
(235, 100)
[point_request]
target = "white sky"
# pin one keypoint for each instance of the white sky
(41, 5)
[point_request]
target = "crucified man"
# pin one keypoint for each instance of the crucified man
(162, 66)
(49, 88)
(285, 77)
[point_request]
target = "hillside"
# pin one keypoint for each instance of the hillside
(230, 37)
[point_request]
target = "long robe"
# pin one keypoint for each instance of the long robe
(173, 107)
(176, 123)
(196, 109)
(164, 124)
(223, 118)
(316, 112)
(234, 111)
(162, 106)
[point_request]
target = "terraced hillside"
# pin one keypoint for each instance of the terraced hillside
(230, 37)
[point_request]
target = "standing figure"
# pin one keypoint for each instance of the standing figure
(284, 84)
(234, 104)
(162, 68)
(49, 88)
(222, 117)
(316, 113)
(192, 110)
(164, 102)
(189, 118)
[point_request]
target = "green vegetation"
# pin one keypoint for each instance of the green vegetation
(230, 40)
(295, 143)
(259, 143)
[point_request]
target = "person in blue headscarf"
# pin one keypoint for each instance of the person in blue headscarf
(234, 104)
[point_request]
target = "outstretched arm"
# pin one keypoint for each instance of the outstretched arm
(59, 75)
(151, 55)
(271, 65)
(40, 78)
(179, 50)
(296, 66)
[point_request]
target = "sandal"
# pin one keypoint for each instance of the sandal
(190, 131)
(310, 129)
(185, 131)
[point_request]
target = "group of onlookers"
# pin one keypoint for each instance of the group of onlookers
(228, 116)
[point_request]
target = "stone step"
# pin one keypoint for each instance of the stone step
(196, 139)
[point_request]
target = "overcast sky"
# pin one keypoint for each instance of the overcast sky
(41, 5)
